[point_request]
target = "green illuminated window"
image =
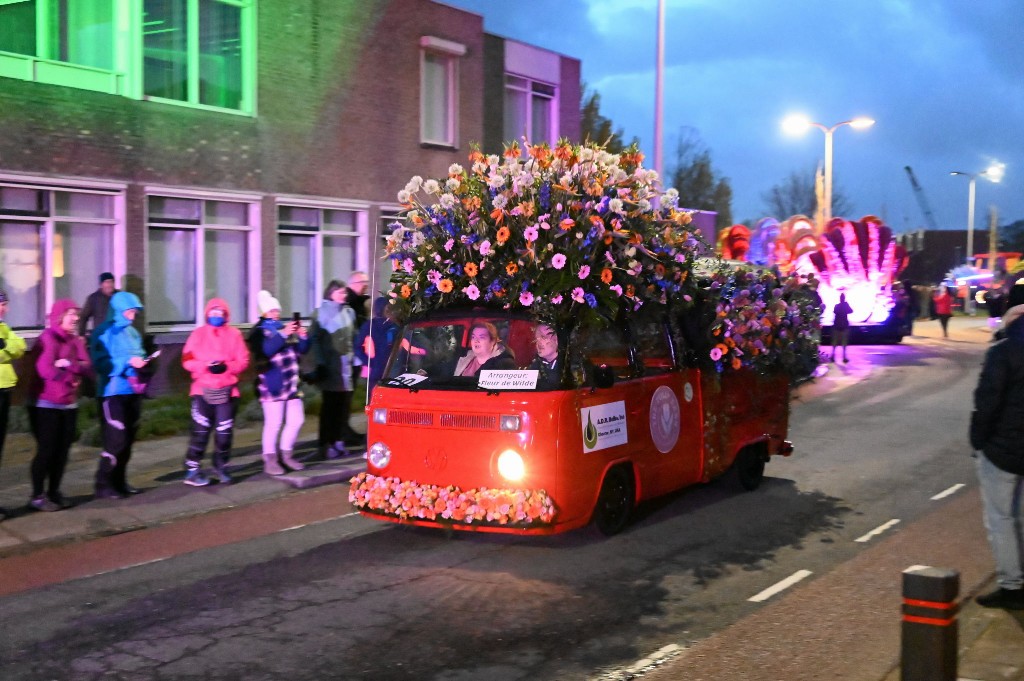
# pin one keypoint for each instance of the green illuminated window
(73, 31)
(193, 51)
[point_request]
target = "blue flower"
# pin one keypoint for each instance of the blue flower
(545, 196)
(591, 299)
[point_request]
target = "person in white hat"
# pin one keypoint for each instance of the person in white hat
(277, 346)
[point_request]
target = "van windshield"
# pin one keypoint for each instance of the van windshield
(477, 351)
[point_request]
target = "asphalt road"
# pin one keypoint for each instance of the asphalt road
(353, 599)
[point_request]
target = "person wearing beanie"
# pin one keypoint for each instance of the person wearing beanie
(62, 362)
(997, 437)
(214, 354)
(276, 347)
(95, 308)
(12, 346)
(333, 331)
(118, 359)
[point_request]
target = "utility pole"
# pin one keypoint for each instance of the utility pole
(993, 238)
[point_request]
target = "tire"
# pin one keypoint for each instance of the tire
(615, 501)
(749, 467)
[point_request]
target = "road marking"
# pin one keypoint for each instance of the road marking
(946, 492)
(878, 530)
(318, 522)
(781, 586)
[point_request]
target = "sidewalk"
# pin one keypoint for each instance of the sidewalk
(811, 630)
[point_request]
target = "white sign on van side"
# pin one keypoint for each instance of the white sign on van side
(604, 425)
(508, 379)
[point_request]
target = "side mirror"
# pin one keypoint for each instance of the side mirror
(604, 376)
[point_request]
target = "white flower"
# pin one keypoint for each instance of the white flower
(455, 169)
(451, 184)
(448, 200)
(431, 186)
(500, 201)
(644, 205)
(620, 176)
(415, 183)
(586, 154)
(404, 196)
(479, 167)
(493, 160)
(615, 206)
(496, 181)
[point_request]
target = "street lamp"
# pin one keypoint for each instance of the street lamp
(797, 124)
(994, 173)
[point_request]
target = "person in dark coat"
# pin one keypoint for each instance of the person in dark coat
(997, 437)
(96, 304)
(374, 341)
(841, 326)
(333, 333)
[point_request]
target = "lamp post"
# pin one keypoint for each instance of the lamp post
(659, 69)
(994, 173)
(798, 124)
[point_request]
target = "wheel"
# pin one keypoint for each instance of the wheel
(749, 467)
(615, 502)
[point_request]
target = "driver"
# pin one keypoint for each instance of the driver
(485, 352)
(546, 361)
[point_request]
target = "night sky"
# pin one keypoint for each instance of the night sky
(944, 79)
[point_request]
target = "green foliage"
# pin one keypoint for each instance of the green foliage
(699, 186)
(598, 129)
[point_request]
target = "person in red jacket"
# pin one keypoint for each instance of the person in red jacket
(215, 354)
(61, 363)
(943, 308)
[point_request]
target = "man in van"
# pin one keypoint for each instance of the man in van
(546, 362)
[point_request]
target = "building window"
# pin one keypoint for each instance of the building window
(314, 245)
(53, 244)
(193, 51)
(198, 249)
(439, 78)
(197, 52)
(529, 110)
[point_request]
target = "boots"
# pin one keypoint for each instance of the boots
(104, 488)
(271, 466)
(288, 458)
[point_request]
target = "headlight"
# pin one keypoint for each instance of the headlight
(380, 416)
(379, 454)
(511, 466)
(509, 422)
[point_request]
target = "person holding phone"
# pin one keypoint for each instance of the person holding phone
(333, 331)
(214, 354)
(115, 348)
(277, 348)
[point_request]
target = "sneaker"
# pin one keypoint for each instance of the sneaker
(196, 478)
(41, 503)
(223, 476)
(1009, 599)
(61, 500)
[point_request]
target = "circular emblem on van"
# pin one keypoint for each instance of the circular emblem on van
(688, 392)
(664, 419)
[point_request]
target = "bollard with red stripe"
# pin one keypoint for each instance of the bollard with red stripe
(928, 649)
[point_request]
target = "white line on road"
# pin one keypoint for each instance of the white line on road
(946, 492)
(318, 522)
(878, 530)
(781, 586)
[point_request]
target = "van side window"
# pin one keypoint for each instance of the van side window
(593, 346)
(650, 334)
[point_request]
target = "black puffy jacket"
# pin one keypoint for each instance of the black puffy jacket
(997, 423)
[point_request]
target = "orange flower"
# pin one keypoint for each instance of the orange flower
(498, 215)
(444, 286)
(476, 155)
(567, 223)
(596, 221)
(659, 270)
(511, 268)
(736, 363)
(503, 235)
(630, 290)
(512, 150)
(406, 291)
(606, 275)
(471, 269)
(471, 203)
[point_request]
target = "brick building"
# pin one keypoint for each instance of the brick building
(217, 147)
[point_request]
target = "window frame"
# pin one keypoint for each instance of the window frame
(47, 225)
(253, 247)
(527, 86)
(451, 52)
(317, 236)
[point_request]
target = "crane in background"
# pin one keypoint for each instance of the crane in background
(922, 200)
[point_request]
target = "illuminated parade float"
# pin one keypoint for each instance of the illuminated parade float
(566, 352)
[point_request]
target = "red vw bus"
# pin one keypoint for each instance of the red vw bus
(531, 446)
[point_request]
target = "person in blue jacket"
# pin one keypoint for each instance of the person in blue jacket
(115, 349)
(374, 341)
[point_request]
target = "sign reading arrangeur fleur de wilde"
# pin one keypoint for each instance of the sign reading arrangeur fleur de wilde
(575, 234)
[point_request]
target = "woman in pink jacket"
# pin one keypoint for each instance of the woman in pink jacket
(215, 354)
(61, 364)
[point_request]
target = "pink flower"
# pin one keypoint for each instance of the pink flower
(716, 354)
(531, 233)
(407, 265)
(433, 276)
(472, 292)
(449, 244)
(577, 294)
(485, 248)
(526, 298)
(558, 261)
(617, 289)
(584, 272)
(557, 300)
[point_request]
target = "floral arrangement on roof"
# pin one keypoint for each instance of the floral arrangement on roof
(406, 499)
(564, 232)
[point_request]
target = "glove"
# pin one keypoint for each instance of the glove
(3, 343)
(218, 367)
